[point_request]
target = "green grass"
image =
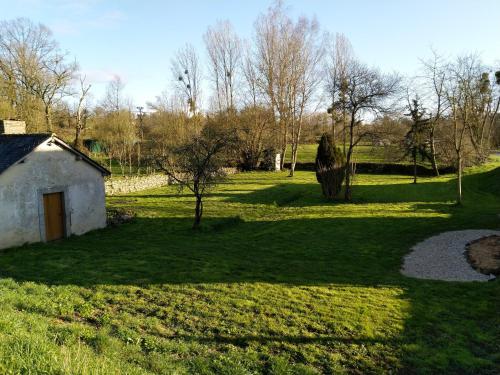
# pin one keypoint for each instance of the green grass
(362, 153)
(277, 282)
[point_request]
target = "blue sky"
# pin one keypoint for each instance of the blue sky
(137, 39)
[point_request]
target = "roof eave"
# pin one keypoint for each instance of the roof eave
(64, 145)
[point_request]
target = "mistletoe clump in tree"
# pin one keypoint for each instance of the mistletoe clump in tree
(330, 167)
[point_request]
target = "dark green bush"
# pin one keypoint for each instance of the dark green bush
(330, 167)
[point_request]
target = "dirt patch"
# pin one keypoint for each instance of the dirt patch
(484, 255)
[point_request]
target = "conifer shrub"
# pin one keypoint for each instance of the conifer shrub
(330, 167)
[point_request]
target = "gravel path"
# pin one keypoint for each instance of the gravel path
(442, 257)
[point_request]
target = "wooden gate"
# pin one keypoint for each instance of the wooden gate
(53, 206)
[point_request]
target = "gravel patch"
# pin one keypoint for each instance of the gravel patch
(442, 257)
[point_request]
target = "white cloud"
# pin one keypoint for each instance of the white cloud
(99, 76)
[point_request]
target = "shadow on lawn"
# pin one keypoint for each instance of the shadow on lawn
(303, 195)
(297, 251)
(245, 340)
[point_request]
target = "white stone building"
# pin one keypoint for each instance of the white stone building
(48, 189)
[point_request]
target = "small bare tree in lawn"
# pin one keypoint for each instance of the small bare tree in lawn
(198, 164)
(367, 92)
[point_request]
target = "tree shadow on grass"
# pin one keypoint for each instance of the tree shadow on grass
(245, 340)
(303, 195)
(436, 193)
(364, 251)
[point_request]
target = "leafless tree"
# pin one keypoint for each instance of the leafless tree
(486, 107)
(30, 59)
(224, 52)
(116, 125)
(81, 112)
(114, 99)
(287, 56)
(255, 120)
(197, 164)
(187, 77)
(367, 92)
(472, 109)
(339, 56)
(435, 76)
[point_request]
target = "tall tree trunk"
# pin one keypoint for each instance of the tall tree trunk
(48, 118)
(284, 145)
(459, 177)
(433, 153)
(294, 159)
(78, 144)
(198, 212)
(348, 174)
(333, 128)
(344, 135)
(348, 171)
(414, 166)
(139, 157)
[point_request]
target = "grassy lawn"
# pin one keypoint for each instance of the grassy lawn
(362, 153)
(277, 282)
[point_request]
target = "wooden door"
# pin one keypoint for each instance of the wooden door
(54, 216)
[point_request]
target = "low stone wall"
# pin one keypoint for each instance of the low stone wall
(130, 184)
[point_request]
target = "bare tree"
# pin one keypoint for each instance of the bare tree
(485, 110)
(197, 164)
(224, 52)
(116, 126)
(30, 59)
(81, 112)
(272, 65)
(287, 55)
(339, 55)
(113, 99)
(472, 109)
(367, 92)
(254, 125)
(435, 76)
(187, 76)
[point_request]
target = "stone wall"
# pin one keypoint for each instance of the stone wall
(130, 184)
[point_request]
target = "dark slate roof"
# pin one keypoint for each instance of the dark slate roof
(14, 147)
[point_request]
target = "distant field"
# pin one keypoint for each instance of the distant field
(307, 154)
(362, 153)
